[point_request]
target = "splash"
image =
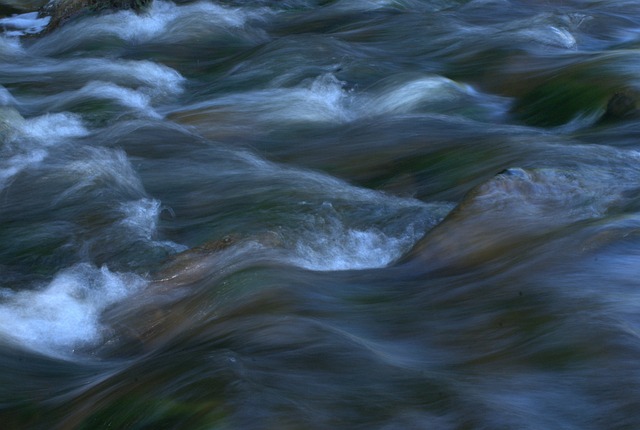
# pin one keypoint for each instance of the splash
(23, 24)
(65, 314)
(141, 220)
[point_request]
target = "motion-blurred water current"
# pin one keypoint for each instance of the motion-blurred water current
(307, 214)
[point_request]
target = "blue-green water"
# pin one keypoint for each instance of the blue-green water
(305, 214)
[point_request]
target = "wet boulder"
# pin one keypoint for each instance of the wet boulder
(622, 105)
(165, 305)
(62, 11)
(511, 214)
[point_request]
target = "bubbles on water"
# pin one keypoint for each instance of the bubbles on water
(65, 314)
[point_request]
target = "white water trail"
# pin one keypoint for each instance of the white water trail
(64, 315)
(27, 141)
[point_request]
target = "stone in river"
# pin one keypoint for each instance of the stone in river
(505, 216)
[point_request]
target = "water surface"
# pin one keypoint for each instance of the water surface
(322, 215)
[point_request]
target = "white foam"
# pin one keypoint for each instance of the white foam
(151, 78)
(411, 95)
(101, 165)
(550, 35)
(141, 219)
(136, 100)
(52, 128)
(172, 22)
(65, 314)
(10, 48)
(322, 100)
(27, 140)
(141, 216)
(11, 166)
(329, 244)
(26, 23)
(350, 250)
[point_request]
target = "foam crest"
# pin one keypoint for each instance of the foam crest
(141, 216)
(141, 219)
(345, 249)
(155, 79)
(52, 128)
(124, 96)
(170, 21)
(415, 94)
(101, 166)
(551, 36)
(26, 23)
(11, 166)
(28, 139)
(330, 244)
(322, 100)
(65, 314)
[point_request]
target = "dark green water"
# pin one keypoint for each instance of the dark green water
(305, 214)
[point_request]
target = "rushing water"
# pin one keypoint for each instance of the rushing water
(349, 214)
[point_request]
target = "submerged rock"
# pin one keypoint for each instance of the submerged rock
(163, 304)
(191, 265)
(509, 214)
(62, 11)
(622, 105)
(188, 265)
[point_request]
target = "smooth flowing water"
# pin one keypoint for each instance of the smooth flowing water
(306, 214)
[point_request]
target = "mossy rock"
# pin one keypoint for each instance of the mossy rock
(511, 213)
(575, 92)
(560, 101)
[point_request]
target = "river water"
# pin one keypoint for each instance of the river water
(349, 214)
